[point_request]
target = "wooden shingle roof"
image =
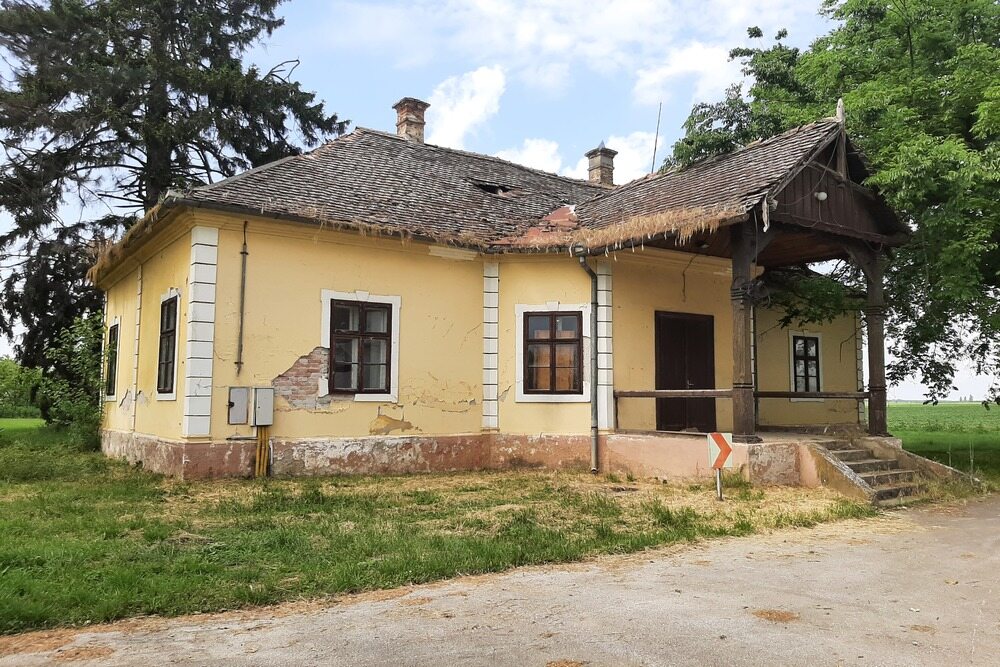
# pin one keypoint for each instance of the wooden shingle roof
(381, 183)
(385, 183)
(734, 182)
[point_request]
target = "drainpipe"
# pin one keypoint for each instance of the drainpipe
(243, 298)
(593, 357)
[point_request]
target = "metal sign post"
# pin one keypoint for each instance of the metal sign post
(720, 446)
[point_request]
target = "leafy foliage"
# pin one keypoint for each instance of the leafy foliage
(808, 297)
(111, 103)
(18, 386)
(71, 392)
(921, 82)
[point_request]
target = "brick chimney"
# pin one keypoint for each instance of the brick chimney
(602, 165)
(410, 118)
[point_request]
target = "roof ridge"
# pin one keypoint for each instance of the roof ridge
(757, 143)
(711, 160)
(484, 156)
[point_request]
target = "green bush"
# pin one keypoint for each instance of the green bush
(71, 390)
(17, 390)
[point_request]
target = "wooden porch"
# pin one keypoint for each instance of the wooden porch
(817, 212)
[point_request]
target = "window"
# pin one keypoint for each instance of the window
(553, 353)
(165, 369)
(805, 363)
(111, 372)
(360, 344)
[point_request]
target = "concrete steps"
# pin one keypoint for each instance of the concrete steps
(872, 464)
(890, 483)
(848, 455)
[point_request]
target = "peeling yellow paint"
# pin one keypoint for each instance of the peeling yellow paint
(384, 425)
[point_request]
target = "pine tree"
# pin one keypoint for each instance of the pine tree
(111, 103)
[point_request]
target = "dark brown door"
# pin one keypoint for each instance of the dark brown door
(685, 359)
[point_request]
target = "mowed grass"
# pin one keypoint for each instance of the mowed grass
(965, 436)
(87, 540)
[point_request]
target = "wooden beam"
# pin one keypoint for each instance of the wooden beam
(745, 244)
(857, 395)
(839, 231)
(871, 263)
(676, 393)
(841, 149)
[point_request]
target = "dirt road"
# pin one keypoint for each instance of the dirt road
(917, 587)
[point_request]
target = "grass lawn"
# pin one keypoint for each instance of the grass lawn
(88, 540)
(965, 436)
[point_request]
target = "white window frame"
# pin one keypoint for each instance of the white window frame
(520, 310)
(791, 364)
(169, 294)
(104, 380)
(395, 303)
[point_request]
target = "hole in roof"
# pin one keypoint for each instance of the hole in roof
(494, 188)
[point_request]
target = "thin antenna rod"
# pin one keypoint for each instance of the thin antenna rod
(656, 138)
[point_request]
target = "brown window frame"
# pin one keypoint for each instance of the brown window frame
(165, 381)
(111, 356)
(360, 335)
(805, 358)
(552, 341)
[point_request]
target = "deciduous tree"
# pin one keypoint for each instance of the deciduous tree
(921, 83)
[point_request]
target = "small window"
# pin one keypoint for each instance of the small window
(111, 372)
(805, 361)
(553, 353)
(360, 343)
(168, 347)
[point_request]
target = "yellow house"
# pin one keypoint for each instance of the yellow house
(383, 305)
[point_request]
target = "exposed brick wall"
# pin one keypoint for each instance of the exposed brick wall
(300, 384)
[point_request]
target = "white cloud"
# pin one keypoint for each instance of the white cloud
(635, 156)
(708, 66)
(461, 103)
(535, 153)
(542, 42)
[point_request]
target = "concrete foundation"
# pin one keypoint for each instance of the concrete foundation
(777, 461)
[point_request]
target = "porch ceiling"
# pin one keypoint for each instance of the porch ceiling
(792, 246)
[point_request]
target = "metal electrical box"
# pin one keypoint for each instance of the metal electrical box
(239, 405)
(263, 406)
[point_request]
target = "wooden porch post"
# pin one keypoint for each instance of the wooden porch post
(875, 324)
(744, 415)
(871, 263)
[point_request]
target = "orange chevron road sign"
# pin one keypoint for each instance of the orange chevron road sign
(720, 446)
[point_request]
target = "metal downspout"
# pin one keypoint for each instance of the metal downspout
(593, 362)
(243, 297)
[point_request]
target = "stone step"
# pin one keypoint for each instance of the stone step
(852, 454)
(872, 465)
(896, 494)
(880, 478)
(834, 445)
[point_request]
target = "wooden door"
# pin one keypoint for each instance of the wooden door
(685, 359)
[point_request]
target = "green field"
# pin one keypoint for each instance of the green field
(965, 436)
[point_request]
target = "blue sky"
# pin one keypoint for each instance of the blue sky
(535, 81)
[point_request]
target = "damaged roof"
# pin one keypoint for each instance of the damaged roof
(381, 183)
(386, 182)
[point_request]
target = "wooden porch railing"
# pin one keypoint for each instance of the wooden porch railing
(857, 395)
(728, 393)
